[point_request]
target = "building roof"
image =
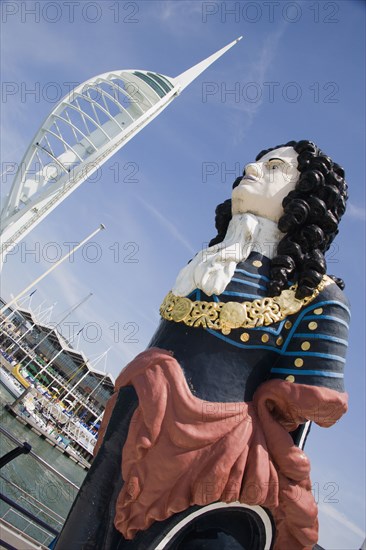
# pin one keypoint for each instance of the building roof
(61, 342)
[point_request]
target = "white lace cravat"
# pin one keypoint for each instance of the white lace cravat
(213, 267)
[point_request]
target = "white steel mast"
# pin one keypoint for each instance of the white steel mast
(85, 129)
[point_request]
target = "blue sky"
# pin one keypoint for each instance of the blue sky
(297, 74)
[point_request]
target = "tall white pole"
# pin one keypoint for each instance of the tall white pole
(95, 362)
(70, 253)
(15, 310)
(53, 328)
(38, 310)
(17, 342)
(77, 384)
(42, 316)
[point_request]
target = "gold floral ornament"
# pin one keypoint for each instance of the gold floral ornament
(225, 316)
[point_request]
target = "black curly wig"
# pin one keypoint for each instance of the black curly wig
(312, 212)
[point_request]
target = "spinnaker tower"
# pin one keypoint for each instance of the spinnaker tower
(89, 125)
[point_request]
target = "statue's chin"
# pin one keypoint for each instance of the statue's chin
(257, 206)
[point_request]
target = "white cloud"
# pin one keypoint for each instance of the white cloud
(168, 225)
(337, 531)
(355, 212)
(177, 16)
(239, 80)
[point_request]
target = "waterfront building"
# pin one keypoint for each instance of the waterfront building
(38, 352)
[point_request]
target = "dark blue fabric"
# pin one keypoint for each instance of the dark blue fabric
(225, 368)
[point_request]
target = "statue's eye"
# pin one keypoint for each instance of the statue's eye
(274, 164)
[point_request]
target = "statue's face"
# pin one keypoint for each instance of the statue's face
(266, 183)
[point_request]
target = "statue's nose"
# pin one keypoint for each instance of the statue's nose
(253, 169)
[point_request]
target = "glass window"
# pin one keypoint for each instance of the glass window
(165, 80)
(160, 81)
(151, 83)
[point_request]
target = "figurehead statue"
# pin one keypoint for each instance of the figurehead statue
(201, 445)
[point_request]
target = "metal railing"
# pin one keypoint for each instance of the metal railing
(29, 499)
(12, 438)
(41, 529)
(27, 513)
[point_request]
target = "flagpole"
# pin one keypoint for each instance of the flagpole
(70, 253)
(44, 313)
(15, 310)
(97, 386)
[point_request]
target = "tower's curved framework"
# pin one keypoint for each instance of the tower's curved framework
(86, 128)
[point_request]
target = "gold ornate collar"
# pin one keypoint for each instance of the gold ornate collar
(226, 316)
